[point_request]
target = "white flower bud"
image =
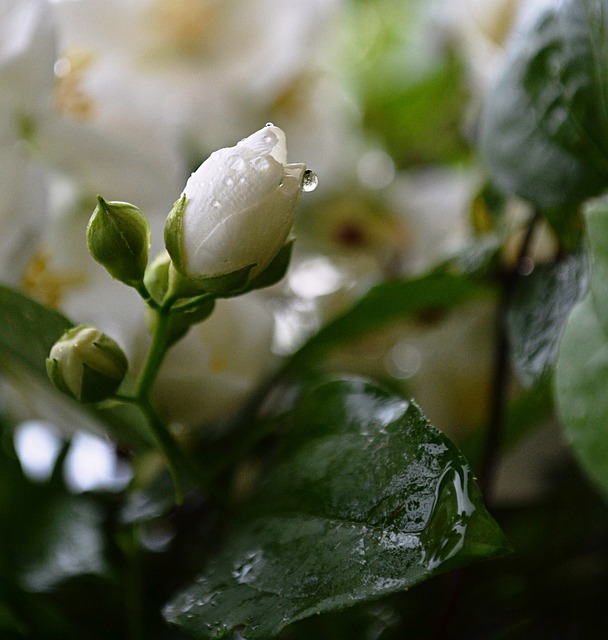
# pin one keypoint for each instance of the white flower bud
(86, 364)
(237, 209)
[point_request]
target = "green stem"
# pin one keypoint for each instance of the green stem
(141, 288)
(142, 397)
(192, 303)
(174, 457)
(155, 356)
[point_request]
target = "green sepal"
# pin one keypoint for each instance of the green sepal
(54, 375)
(156, 278)
(96, 386)
(226, 285)
(275, 271)
(118, 237)
(173, 233)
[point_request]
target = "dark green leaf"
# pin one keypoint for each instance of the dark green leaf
(596, 218)
(539, 310)
(367, 499)
(581, 382)
(27, 332)
(544, 130)
(384, 304)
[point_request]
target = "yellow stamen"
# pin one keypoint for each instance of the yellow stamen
(47, 284)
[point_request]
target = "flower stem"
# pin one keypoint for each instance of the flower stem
(167, 444)
(501, 378)
(141, 288)
(142, 397)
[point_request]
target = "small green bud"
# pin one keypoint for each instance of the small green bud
(86, 364)
(156, 278)
(118, 237)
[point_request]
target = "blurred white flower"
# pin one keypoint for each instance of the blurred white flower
(238, 209)
(207, 69)
(209, 374)
(481, 29)
(26, 41)
(434, 204)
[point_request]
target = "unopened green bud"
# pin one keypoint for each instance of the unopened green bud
(118, 237)
(156, 278)
(86, 364)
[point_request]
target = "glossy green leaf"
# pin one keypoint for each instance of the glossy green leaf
(366, 499)
(596, 218)
(538, 312)
(52, 535)
(544, 130)
(28, 330)
(386, 303)
(581, 383)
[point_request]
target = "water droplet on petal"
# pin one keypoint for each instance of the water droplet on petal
(269, 124)
(260, 163)
(216, 203)
(228, 181)
(310, 180)
(236, 162)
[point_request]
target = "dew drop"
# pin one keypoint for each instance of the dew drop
(310, 180)
(236, 162)
(269, 124)
(216, 204)
(260, 163)
(228, 181)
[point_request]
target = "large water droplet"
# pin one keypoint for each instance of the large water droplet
(269, 124)
(444, 534)
(310, 180)
(247, 568)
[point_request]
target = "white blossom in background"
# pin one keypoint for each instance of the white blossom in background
(207, 376)
(434, 204)
(481, 30)
(206, 69)
(26, 82)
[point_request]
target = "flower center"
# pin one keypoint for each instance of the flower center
(47, 284)
(70, 97)
(183, 26)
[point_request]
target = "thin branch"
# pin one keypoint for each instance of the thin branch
(502, 368)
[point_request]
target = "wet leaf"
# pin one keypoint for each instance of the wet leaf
(539, 311)
(581, 381)
(544, 130)
(367, 499)
(28, 330)
(383, 304)
(596, 218)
